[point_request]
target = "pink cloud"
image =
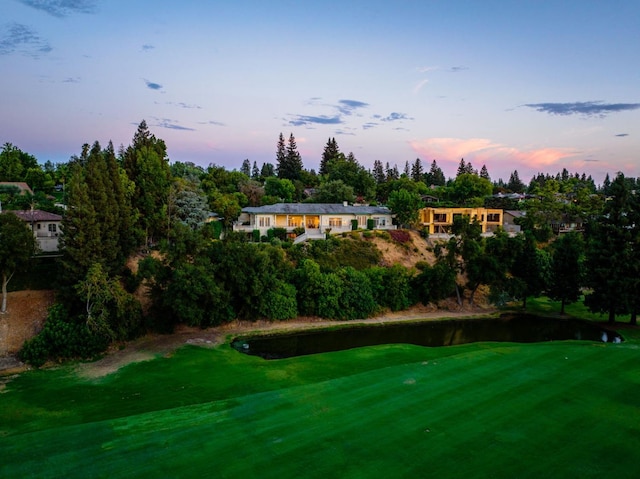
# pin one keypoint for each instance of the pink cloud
(481, 151)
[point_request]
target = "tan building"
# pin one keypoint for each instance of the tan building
(439, 220)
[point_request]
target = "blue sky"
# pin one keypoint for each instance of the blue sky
(535, 86)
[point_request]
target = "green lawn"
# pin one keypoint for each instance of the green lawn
(504, 410)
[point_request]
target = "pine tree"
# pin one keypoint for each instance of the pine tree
(147, 165)
(281, 155)
(417, 171)
(290, 168)
(246, 168)
(484, 173)
(435, 176)
(267, 171)
(462, 168)
(255, 172)
(378, 172)
(330, 152)
(515, 184)
(407, 169)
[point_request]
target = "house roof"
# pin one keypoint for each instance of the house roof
(317, 209)
(33, 216)
(21, 185)
(515, 213)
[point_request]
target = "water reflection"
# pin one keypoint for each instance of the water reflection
(521, 328)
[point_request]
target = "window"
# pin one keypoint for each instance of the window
(493, 217)
(380, 221)
(362, 221)
(52, 227)
(439, 217)
(335, 222)
(264, 221)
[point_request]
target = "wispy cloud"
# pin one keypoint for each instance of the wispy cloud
(300, 120)
(457, 69)
(395, 116)
(621, 135)
(213, 122)
(18, 38)
(62, 8)
(147, 47)
(369, 125)
(171, 124)
(71, 80)
(152, 85)
(584, 108)
(347, 107)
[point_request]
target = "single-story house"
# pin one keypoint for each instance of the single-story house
(317, 219)
(440, 220)
(45, 227)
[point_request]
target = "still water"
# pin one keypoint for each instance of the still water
(520, 328)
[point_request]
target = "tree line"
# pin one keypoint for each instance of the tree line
(134, 202)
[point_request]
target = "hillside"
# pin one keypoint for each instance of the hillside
(26, 312)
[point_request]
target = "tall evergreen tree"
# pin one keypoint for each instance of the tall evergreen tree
(417, 170)
(610, 254)
(246, 168)
(566, 269)
(462, 168)
(515, 184)
(435, 176)
(330, 152)
(281, 153)
(407, 169)
(267, 170)
(378, 172)
(484, 173)
(255, 172)
(147, 165)
(289, 167)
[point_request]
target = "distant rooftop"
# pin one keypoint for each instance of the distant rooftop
(317, 209)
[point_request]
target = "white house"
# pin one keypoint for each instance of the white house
(317, 219)
(45, 227)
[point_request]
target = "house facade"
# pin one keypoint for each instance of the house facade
(440, 220)
(317, 219)
(45, 227)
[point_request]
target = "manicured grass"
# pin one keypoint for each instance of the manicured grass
(561, 409)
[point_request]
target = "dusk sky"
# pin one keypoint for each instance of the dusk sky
(533, 86)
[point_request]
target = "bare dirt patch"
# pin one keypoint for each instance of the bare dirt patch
(25, 316)
(406, 254)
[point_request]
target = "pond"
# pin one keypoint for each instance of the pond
(518, 328)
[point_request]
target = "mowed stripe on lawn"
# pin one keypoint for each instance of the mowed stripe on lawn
(562, 409)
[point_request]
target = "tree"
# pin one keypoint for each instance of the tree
(147, 165)
(378, 172)
(515, 184)
(435, 176)
(14, 163)
(610, 241)
(335, 191)
(255, 172)
(417, 170)
(405, 205)
(484, 173)
(467, 187)
(98, 224)
(290, 165)
(566, 269)
(17, 246)
(330, 152)
(246, 167)
(267, 170)
(530, 269)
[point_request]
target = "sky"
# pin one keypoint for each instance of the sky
(532, 86)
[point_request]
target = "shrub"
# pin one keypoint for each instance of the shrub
(400, 236)
(256, 236)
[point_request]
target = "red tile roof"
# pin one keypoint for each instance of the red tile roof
(33, 216)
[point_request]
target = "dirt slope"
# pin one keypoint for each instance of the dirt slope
(26, 312)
